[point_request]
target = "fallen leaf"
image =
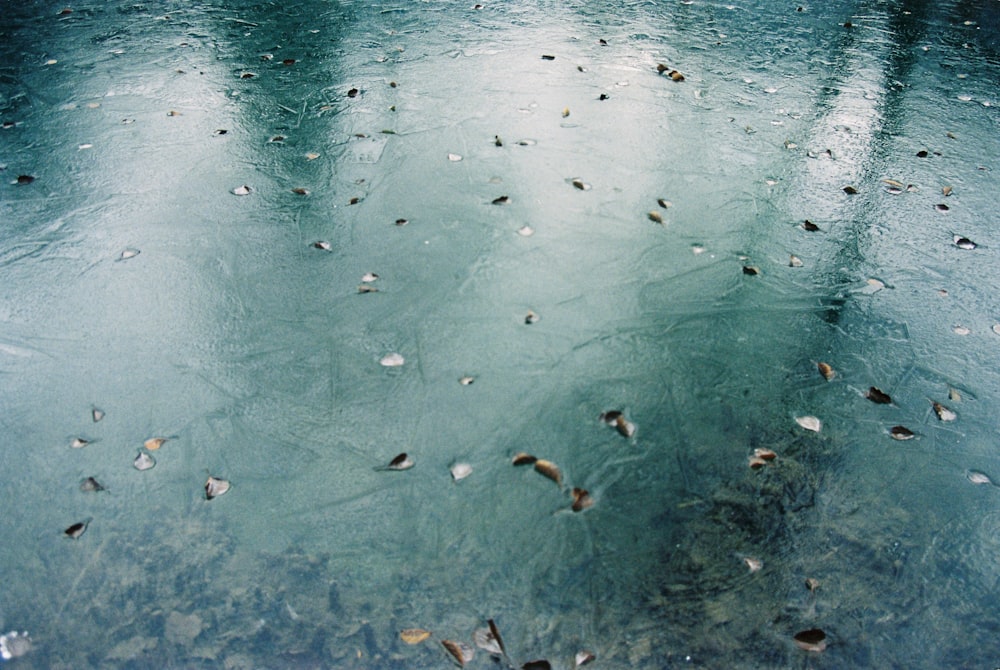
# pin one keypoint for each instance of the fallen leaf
(964, 242)
(79, 442)
(812, 584)
(97, 414)
(522, 458)
(581, 185)
(655, 217)
(127, 254)
(901, 433)
(466, 381)
(977, 477)
(298, 190)
(485, 640)
(460, 471)
(76, 530)
(794, 261)
(242, 190)
(581, 499)
(765, 454)
(946, 190)
(878, 396)
(943, 413)
(850, 190)
(502, 200)
(810, 226)
(624, 427)
(809, 423)
(813, 639)
(90, 485)
(583, 658)
(565, 112)
(549, 469)
(323, 245)
(154, 443)
(751, 270)
(753, 564)
(531, 317)
(392, 360)
(825, 370)
(215, 487)
(143, 461)
(414, 635)
(400, 462)
(525, 231)
(460, 651)
(24, 179)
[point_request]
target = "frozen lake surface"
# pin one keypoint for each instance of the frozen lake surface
(696, 203)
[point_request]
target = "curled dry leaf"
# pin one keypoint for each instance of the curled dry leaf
(90, 485)
(812, 584)
(522, 458)
(655, 217)
(460, 471)
(414, 635)
(878, 396)
(502, 200)
(76, 530)
(946, 190)
(400, 462)
(215, 487)
(809, 423)
(580, 185)
(154, 443)
(322, 245)
(583, 658)
(825, 370)
(531, 317)
(964, 243)
(484, 639)
(664, 203)
(549, 469)
(756, 462)
(466, 380)
(624, 427)
(460, 651)
(943, 413)
(143, 461)
(581, 499)
(813, 639)
(79, 442)
(764, 454)
(751, 270)
(565, 112)
(901, 433)
(298, 190)
(977, 477)
(794, 261)
(392, 360)
(495, 632)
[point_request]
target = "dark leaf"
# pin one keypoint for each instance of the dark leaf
(878, 396)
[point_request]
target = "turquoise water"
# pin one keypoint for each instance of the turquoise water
(256, 354)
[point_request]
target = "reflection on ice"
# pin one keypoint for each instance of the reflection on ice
(812, 149)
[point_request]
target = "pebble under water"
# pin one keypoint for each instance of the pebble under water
(630, 334)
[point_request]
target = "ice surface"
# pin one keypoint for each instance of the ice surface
(135, 281)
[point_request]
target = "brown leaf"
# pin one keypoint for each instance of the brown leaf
(901, 433)
(826, 371)
(495, 632)
(76, 530)
(460, 651)
(878, 396)
(813, 639)
(655, 217)
(581, 499)
(154, 443)
(549, 469)
(414, 635)
(521, 458)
